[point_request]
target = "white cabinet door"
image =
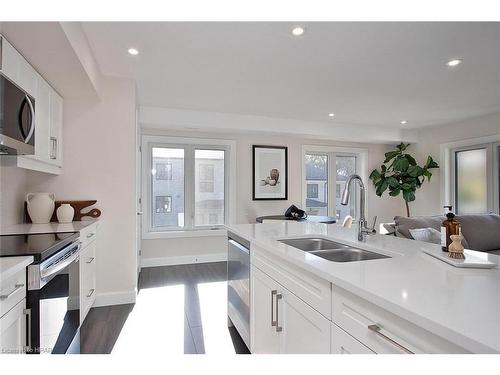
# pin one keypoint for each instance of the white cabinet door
(17, 69)
(13, 329)
(304, 330)
(343, 343)
(264, 338)
(42, 121)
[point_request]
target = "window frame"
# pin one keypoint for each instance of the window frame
(189, 145)
(331, 152)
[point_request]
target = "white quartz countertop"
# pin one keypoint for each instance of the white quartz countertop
(11, 265)
(460, 305)
(75, 226)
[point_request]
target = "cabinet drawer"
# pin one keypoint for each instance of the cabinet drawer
(12, 291)
(382, 331)
(88, 234)
(344, 343)
(313, 290)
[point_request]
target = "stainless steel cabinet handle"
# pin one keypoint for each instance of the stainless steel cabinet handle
(90, 293)
(16, 288)
(90, 235)
(274, 323)
(375, 328)
(278, 327)
(27, 312)
(90, 260)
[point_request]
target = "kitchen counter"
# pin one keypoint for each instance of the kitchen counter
(54, 227)
(460, 305)
(11, 265)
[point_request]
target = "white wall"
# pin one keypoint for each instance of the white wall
(429, 200)
(99, 163)
(13, 189)
(247, 209)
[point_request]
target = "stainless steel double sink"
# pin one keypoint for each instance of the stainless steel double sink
(331, 250)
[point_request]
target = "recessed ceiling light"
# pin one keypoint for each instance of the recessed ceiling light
(404, 122)
(454, 62)
(331, 114)
(297, 31)
(133, 51)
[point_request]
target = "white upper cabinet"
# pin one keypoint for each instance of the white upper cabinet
(48, 111)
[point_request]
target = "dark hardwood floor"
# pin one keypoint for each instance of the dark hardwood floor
(204, 320)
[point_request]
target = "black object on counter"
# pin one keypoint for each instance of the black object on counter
(310, 219)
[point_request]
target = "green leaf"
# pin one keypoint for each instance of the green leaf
(375, 175)
(406, 186)
(410, 159)
(384, 168)
(402, 146)
(415, 171)
(390, 155)
(409, 195)
(394, 193)
(393, 182)
(382, 187)
(430, 163)
(427, 174)
(401, 164)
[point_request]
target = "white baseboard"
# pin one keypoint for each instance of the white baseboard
(114, 298)
(186, 259)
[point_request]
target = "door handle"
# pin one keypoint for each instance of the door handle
(278, 327)
(8, 295)
(376, 328)
(274, 323)
(90, 260)
(90, 293)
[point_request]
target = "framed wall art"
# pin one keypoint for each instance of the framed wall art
(270, 173)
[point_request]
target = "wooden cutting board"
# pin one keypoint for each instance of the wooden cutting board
(77, 205)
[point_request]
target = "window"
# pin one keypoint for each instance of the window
(168, 193)
(187, 184)
(206, 177)
(317, 180)
(312, 190)
(475, 176)
(323, 167)
(163, 171)
(210, 189)
(163, 204)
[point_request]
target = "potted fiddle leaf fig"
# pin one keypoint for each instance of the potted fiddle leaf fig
(400, 174)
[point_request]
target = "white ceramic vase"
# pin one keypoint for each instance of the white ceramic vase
(40, 207)
(65, 213)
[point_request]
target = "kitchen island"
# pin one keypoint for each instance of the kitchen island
(408, 302)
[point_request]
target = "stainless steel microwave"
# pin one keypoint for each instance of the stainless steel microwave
(17, 120)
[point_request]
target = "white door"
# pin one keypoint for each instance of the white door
(13, 329)
(264, 337)
(343, 343)
(304, 330)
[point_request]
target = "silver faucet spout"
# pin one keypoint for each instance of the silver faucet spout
(362, 224)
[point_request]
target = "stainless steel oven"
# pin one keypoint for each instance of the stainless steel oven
(53, 301)
(17, 119)
(238, 283)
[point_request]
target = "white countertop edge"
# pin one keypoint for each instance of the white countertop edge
(420, 321)
(9, 266)
(53, 227)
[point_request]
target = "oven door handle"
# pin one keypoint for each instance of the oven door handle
(46, 273)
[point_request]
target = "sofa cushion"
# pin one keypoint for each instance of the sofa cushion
(481, 231)
(404, 224)
(430, 235)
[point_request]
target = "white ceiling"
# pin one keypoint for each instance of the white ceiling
(367, 73)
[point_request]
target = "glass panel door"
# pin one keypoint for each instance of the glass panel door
(209, 187)
(471, 181)
(167, 176)
(345, 166)
(316, 184)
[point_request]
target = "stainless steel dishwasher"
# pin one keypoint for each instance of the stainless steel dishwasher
(238, 285)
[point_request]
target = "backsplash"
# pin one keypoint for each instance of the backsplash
(14, 184)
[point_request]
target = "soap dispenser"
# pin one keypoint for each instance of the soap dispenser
(449, 228)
